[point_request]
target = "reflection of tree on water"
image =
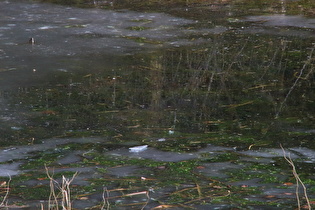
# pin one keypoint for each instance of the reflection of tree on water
(243, 81)
(235, 84)
(156, 76)
(199, 8)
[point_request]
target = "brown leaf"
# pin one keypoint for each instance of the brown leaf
(216, 187)
(161, 167)
(164, 206)
(288, 183)
(49, 112)
(270, 196)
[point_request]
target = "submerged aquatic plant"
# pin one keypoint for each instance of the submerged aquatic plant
(300, 75)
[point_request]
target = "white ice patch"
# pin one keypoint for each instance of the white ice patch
(138, 148)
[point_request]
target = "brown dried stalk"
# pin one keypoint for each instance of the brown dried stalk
(4, 200)
(298, 180)
(105, 199)
(64, 189)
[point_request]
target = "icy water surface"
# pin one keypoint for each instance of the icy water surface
(64, 35)
(67, 160)
(155, 110)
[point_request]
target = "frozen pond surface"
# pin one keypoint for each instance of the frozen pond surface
(96, 43)
(22, 153)
(284, 20)
(62, 32)
(282, 25)
(65, 34)
(67, 31)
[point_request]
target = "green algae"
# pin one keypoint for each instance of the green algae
(41, 159)
(138, 28)
(268, 173)
(227, 156)
(189, 187)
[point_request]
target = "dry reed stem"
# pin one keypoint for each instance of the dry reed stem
(148, 200)
(66, 192)
(64, 189)
(5, 198)
(298, 180)
(105, 199)
(106, 204)
(52, 195)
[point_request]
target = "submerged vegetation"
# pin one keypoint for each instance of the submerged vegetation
(222, 92)
(238, 89)
(154, 184)
(247, 96)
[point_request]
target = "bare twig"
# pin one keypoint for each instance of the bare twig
(298, 180)
(4, 200)
(146, 203)
(52, 195)
(105, 199)
(65, 192)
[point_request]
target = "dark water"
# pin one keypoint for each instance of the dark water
(191, 88)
